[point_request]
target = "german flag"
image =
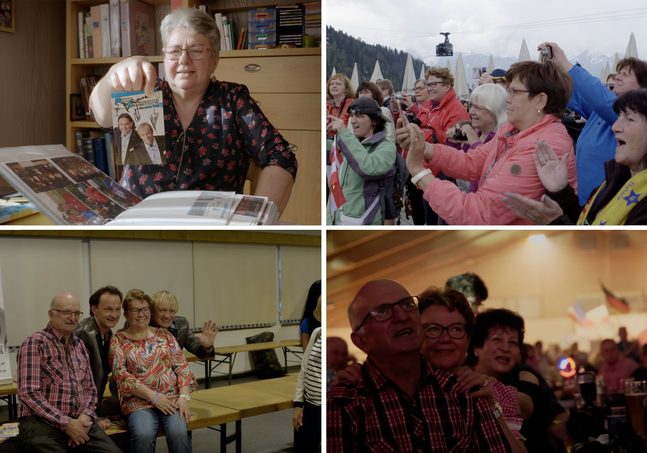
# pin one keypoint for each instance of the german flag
(618, 303)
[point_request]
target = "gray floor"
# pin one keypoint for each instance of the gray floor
(270, 433)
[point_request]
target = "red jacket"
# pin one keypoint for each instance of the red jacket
(340, 112)
(444, 115)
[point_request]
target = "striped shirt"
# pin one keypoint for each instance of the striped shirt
(309, 380)
(374, 415)
(55, 380)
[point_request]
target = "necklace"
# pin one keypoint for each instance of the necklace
(179, 165)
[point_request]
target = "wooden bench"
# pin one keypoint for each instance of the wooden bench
(227, 355)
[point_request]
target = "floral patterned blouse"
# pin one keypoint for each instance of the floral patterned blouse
(157, 362)
(213, 153)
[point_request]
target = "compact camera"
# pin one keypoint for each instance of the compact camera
(546, 53)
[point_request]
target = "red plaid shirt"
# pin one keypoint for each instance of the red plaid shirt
(374, 415)
(55, 380)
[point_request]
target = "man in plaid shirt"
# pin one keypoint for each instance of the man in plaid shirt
(400, 404)
(56, 389)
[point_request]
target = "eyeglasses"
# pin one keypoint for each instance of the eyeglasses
(455, 331)
(433, 84)
(622, 75)
(195, 53)
(513, 91)
(418, 88)
(385, 311)
(135, 311)
(68, 313)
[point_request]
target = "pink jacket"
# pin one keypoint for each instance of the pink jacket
(504, 164)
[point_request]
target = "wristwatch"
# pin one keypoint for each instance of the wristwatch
(496, 410)
(186, 396)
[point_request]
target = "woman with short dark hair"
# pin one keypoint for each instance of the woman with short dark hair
(368, 159)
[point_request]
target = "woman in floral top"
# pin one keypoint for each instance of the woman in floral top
(153, 378)
(212, 128)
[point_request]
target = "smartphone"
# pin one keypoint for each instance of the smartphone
(546, 53)
(397, 111)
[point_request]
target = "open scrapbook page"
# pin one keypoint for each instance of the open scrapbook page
(71, 191)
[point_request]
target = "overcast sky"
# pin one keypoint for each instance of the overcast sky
(493, 26)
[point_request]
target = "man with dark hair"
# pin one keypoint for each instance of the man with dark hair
(400, 403)
(55, 387)
(95, 331)
(472, 287)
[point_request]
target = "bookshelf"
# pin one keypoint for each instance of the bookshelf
(286, 83)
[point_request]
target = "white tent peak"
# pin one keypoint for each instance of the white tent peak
(524, 54)
(377, 72)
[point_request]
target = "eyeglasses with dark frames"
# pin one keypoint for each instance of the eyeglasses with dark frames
(433, 84)
(455, 331)
(68, 313)
(385, 311)
(135, 311)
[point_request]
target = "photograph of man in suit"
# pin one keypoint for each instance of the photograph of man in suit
(96, 331)
(125, 138)
(149, 151)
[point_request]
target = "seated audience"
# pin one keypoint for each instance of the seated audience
(337, 358)
(376, 413)
(628, 347)
(96, 332)
(537, 96)
(56, 389)
(164, 308)
(615, 367)
(153, 377)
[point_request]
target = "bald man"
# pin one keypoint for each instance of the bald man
(400, 403)
(56, 389)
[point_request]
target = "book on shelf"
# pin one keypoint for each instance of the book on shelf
(137, 28)
(115, 29)
(81, 34)
(289, 25)
(86, 85)
(87, 33)
(71, 191)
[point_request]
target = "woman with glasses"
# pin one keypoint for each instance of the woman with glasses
(447, 321)
(153, 378)
(164, 308)
(536, 97)
(444, 110)
(212, 128)
(593, 101)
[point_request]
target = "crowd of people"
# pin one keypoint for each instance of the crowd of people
(445, 374)
(541, 143)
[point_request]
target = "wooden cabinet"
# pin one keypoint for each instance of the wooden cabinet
(285, 82)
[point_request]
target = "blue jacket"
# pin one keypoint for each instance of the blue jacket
(596, 144)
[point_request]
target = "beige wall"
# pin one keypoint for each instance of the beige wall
(32, 78)
(541, 281)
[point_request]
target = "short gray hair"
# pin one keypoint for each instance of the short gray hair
(193, 20)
